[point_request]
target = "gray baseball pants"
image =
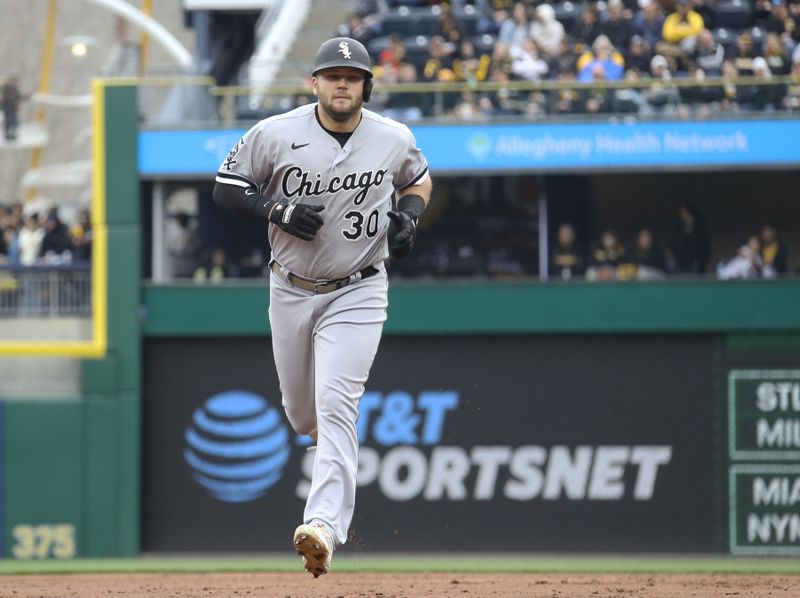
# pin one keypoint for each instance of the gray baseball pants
(324, 346)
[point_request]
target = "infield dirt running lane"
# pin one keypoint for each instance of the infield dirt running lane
(397, 585)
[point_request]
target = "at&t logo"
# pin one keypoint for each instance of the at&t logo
(237, 446)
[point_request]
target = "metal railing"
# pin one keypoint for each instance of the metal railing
(565, 99)
(45, 291)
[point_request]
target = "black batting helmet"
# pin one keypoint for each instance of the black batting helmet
(345, 51)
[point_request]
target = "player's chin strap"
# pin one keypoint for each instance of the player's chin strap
(368, 83)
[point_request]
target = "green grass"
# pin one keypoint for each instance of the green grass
(415, 563)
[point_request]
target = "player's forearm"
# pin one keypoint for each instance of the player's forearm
(421, 191)
(242, 202)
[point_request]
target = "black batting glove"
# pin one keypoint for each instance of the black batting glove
(402, 233)
(301, 220)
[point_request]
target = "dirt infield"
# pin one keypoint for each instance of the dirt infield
(396, 585)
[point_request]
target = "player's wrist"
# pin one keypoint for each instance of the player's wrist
(413, 205)
(267, 207)
(276, 212)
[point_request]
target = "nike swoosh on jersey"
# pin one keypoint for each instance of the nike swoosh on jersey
(298, 146)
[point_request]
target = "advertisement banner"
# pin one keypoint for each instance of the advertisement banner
(574, 443)
(765, 509)
(764, 415)
(529, 147)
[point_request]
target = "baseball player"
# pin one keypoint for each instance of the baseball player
(324, 177)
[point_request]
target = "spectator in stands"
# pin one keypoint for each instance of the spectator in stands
(392, 56)
(467, 107)
(661, 96)
(689, 247)
(505, 100)
(648, 258)
(701, 97)
(649, 23)
(597, 99)
(516, 28)
(537, 105)
(492, 15)
(606, 257)
(637, 57)
(782, 23)
(792, 99)
(682, 24)
(567, 258)
(439, 60)
(603, 54)
(30, 240)
(56, 245)
(526, 63)
(629, 100)
(81, 238)
(746, 264)
(586, 28)
(9, 246)
(501, 57)
(743, 55)
(10, 98)
(773, 252)
(564, 61)
(216, 269)
(565, 99)
(617, 25)
(361, 28)
(776, 55)
(762, 13)
(762, 95)
(729, 87)
(469, 65)
(449, 27)
(16, 215)
(406, 106)
(546, 31)
(708, 54)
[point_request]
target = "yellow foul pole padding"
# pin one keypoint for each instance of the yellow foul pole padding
(144, 41)
(45, 74)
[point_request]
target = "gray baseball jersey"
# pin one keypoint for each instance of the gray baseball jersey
(291, 158)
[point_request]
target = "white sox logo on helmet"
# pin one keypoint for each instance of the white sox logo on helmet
(344, 48)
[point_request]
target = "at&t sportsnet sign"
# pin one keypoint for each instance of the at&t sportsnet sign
(594, 443)
(401, 454)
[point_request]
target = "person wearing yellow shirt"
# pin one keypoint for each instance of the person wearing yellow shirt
(682, 24)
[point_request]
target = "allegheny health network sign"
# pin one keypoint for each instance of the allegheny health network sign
(474, 148)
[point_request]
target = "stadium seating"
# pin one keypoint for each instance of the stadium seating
(733, 14)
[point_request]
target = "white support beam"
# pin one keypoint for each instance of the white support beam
(160, 35)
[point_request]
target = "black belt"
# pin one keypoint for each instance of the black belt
(322, 286)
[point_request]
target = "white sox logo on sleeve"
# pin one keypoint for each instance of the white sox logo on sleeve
(296, 182)
(229, 161)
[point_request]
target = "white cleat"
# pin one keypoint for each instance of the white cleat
(315, 544)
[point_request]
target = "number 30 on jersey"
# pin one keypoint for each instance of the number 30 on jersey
(357, 228)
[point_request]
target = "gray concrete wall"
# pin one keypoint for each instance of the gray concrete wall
(41, 377)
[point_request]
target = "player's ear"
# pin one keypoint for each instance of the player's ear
(314, 85)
